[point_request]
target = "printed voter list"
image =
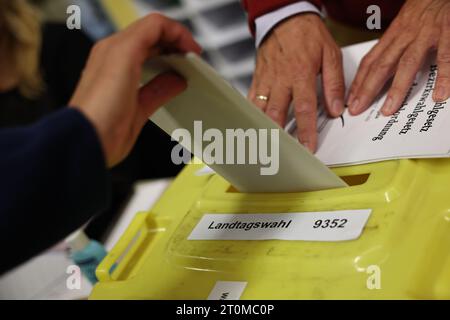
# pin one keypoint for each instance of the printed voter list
(419, 129)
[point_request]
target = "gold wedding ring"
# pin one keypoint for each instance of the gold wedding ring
(262, 97)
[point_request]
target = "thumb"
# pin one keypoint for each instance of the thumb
(159, 91)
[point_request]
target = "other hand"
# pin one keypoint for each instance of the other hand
(287, 65)
(420, 27)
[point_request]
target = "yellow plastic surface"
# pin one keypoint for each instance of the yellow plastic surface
(121, 12)
(407, 237)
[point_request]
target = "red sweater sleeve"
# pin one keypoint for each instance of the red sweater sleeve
(257, 8)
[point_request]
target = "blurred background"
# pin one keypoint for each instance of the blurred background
(220, 26)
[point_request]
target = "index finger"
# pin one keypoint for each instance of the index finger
(333, 81)
(156, 30)
(442, 88)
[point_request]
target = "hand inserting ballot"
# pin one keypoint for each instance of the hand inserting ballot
(109, 92)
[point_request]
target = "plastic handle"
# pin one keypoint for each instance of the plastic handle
(103, 271)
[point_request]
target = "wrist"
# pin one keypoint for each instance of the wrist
(102, 137)
(296, 22)
(266, 23)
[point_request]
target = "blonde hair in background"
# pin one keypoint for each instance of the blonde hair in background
(20, 38)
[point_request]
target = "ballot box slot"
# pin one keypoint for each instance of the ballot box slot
(351, 180)
(356, 180)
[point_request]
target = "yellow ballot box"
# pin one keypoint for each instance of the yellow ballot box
(386, 236)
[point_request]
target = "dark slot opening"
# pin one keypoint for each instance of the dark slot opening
(353, 180)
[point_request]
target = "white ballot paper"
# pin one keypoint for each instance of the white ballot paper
(209, 102)
(420, 129)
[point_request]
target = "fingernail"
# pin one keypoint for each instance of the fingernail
(350, 98)
(308, 146)
(440, 94)
(354, 105)
(388, 106)
(337, 107)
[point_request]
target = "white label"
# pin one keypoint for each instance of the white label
(227, 290)
(307, 226)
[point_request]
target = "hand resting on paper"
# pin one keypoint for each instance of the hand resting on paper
(422, 26)
(286, 71)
